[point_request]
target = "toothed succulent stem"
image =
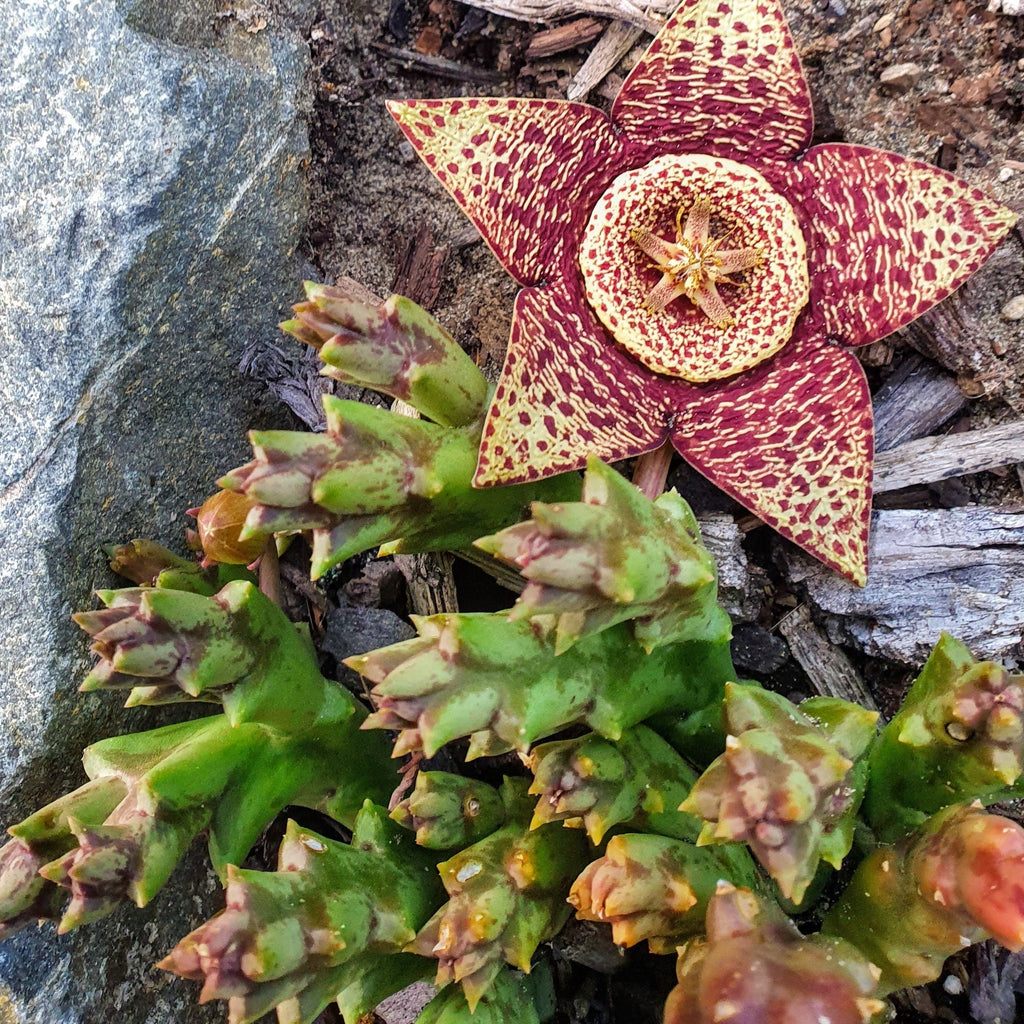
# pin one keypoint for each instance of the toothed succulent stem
(396, 348)
(507, 895)
(958, 736)
(656, 888)
(755, 965)
(377, 478)
(613, 557)
(636, 781)
(150, 564)
(327, 903)
(503, 684)
(789, 783)
(508, 999)
(446, 810)
(957, 880)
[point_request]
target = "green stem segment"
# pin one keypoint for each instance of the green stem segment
(285, 934)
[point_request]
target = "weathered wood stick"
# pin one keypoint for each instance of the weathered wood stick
(550, 41)
(957, 570)
(938, 458)
(829, 670)
(617, 41)
(915, 402)
(650, 16)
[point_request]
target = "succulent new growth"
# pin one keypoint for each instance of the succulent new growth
(328, 902)
(446, 811)
(787, 784)
(395, 347)
(507, 895)
(637, 781)
(657, 889)
(219, 524)
(713, 125)
(754, 964)
(376, 478)
(959, 735)
(504, 685)
(615, 557)
(508, 998)
(958, 879)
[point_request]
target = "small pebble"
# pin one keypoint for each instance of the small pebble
(1014, 308)
(1005, 173)
(1006, 7)
(901, 77)
(883, 22)
(953, 985)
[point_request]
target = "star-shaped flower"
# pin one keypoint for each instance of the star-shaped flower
(688, 264)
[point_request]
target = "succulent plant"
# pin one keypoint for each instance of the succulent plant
(754, 965)
(956, 880)
(636, 781)
(283, 933)
(686, 262)
(446, 810)
(789, 783)
(507, 895)
(502, 684)
(653, 888)
(959, 735)
(615, 557)
(395, 347)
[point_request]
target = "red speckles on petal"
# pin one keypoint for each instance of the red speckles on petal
(533, 220)
(585, 396)
(880, 255)
(792, 441)
(688, 94)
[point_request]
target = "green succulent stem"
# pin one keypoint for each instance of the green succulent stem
(503, 684)
(959, 735)
(284, 933)
(395, 347)
(637, 782)
(954, 881)
(506, 896)
(378, 478)
(446, 810)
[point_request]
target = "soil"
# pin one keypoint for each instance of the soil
(955, 99)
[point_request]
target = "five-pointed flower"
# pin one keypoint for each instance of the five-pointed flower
(689, 264)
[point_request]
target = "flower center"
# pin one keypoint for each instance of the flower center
(650, 242)
(694, 264)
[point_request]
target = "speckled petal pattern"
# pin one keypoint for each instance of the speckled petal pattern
(680, 340)
(722, 78)
(567, 392)
(527, 172)
(792, 441)
(889, 237)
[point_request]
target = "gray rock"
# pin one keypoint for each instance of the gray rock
(151, 197)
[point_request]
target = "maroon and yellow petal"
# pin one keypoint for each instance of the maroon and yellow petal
(526, 172)
(888, 237)
(792, 442)
(567, 392)
(721, 78)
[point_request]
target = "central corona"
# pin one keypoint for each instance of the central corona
(678, 323)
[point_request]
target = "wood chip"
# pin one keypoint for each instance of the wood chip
(650, 16)
(830, 671)
(565, 37)
(957, 570)
(939, 458)
(618, 39)
(916, 400)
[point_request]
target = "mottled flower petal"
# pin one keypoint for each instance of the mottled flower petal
(567, 392)
(721, 78)
(792, 441)
(527, 172)
(888, 237)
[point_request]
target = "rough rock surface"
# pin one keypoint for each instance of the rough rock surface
(152, 195)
